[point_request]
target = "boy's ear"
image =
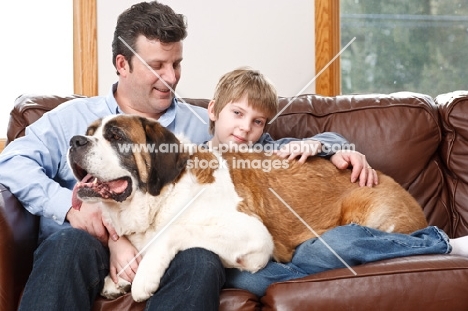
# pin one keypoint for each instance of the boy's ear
(210, 109)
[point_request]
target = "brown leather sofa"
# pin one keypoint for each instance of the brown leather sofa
(421, 142)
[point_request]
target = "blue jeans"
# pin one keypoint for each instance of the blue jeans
(352, 243)
(70, 266)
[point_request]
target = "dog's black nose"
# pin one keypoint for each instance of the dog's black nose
(78, 141)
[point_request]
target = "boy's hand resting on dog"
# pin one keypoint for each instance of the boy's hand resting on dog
(300, 148)
(123, 253)
(361, 170)
(89, 218)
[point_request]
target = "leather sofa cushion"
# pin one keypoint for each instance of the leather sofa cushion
(30, 107)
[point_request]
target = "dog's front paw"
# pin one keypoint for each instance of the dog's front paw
(110, 290)
(252, 262)
(144, 286)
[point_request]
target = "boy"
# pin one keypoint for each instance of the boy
(243, 103)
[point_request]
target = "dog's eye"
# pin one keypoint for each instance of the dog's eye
(114, 134)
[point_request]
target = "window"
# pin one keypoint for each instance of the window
(400, 45)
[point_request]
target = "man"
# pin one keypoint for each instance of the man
(73, 256)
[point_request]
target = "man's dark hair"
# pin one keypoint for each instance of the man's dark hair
(156, 21)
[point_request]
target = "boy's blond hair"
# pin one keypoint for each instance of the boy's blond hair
(236, 84)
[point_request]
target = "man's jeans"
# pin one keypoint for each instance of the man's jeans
(70, 266)
(352, 243)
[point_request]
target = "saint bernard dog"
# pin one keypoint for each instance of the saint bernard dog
(163, 202)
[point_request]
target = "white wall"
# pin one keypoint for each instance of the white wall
(36, 52)
(274, 36)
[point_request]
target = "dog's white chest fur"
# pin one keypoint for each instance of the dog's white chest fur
(189, 214)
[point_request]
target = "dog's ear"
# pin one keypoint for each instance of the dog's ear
(93, 126)
(168, 161)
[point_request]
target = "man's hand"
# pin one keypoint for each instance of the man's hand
(303, 148)
(89, 218)
(123, 253)
(360, 168)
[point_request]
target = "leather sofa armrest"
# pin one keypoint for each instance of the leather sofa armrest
(425, 282)
(238, 300)
(18, 240)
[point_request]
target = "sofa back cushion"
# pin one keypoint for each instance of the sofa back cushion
(453, 108)
(399, 133)
(30, 107)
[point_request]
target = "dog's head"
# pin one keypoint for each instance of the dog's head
(122, 154)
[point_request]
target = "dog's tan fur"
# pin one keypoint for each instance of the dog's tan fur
(322, 195)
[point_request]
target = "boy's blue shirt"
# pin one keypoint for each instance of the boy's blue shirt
(330, 142)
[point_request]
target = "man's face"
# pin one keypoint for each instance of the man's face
(147, 89)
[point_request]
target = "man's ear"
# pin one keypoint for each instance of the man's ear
(211, 113)
(168, 162)
(121, 65)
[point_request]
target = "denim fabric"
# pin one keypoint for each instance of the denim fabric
(70, 266)
(352, 243)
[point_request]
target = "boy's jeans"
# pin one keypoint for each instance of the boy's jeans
(353, 243)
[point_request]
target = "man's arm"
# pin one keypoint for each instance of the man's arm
(35, 169)
(29, 164)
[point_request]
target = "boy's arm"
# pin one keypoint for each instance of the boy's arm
(124, 259)
(327, 145)
(330, 142)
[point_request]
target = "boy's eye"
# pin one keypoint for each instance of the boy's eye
(259, 122)
(236, 112)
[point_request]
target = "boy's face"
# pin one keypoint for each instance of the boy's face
(237, 123)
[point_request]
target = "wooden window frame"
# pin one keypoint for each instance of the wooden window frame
(327, 46)
(85, 69)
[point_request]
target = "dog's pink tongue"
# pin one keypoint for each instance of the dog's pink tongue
(76, 203)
